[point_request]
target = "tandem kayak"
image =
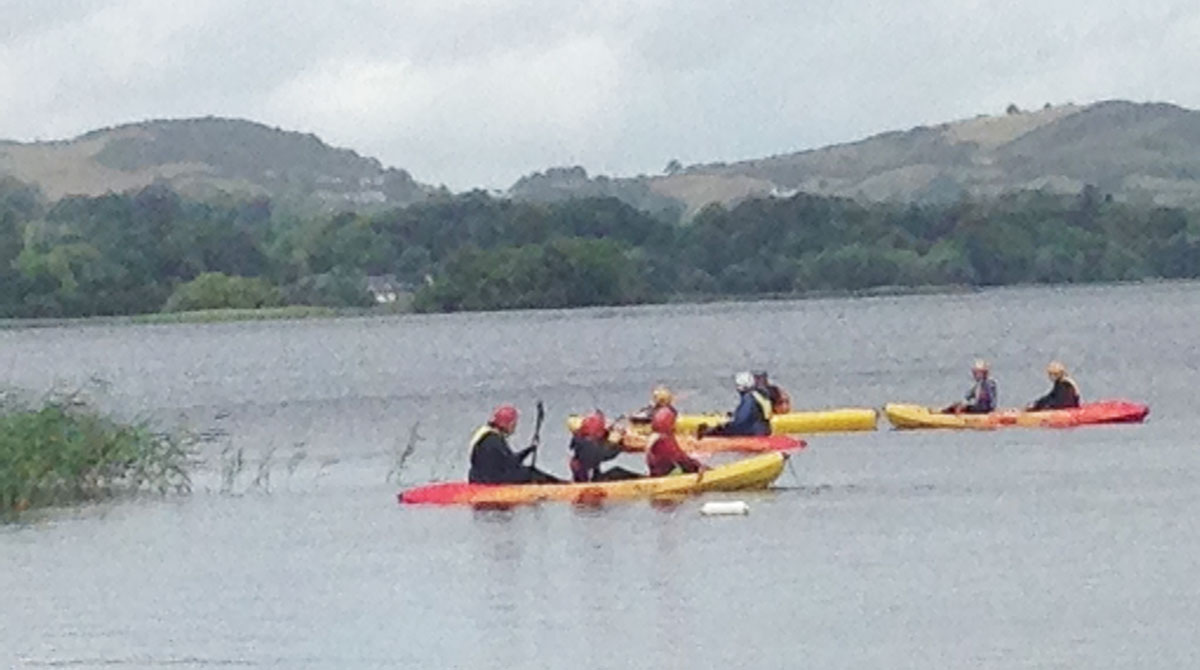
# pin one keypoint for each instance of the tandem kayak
(756, 472)
(792, 423)
(750, 444)
(1092, 413)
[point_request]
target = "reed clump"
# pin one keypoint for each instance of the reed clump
(62, 451)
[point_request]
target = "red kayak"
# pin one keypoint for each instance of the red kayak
(1108, 411)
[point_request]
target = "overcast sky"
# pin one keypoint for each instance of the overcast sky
(477, 93)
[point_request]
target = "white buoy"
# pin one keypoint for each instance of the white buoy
(724, 508)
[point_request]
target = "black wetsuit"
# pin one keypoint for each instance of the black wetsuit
(588, 454)
(493, 462)
(1064, 395)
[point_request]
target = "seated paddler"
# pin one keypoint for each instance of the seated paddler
(664, 455)
(590, 447)
(981, 399)
(494, 462)
(753, 413)
(1064, 394)
(660, 397)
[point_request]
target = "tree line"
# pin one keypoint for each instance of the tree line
(152, 250)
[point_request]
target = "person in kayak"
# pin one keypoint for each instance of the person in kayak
(1063, 395)
(590, 447)
(753, 413)
(781, 402)
(494, 462)
(664, 455)
(660, 397)
(981, 399)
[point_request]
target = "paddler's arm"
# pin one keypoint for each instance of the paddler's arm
(521, 455)
(596, 451)
(1040, 403)
(609, 451)
(743, 416)
(970, 402)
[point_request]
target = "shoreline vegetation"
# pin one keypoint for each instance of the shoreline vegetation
(154, 256)
(61, 451)
(307, 312)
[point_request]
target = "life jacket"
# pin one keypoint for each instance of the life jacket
(764, 404)
(985, 387)
(1071, 382)
(654, 438)
(484, 431)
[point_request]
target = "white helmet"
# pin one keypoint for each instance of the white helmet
(743, 381)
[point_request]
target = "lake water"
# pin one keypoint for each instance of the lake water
(1008, 549)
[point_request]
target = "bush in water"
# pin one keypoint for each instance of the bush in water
(64, 452)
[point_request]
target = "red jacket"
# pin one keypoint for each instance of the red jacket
(664, 455)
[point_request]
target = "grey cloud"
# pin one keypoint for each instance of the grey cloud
(478, 93)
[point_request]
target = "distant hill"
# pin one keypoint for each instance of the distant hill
(206, 156)
(1142, 153)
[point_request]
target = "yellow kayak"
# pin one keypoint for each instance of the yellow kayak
(792, 423)
(751, 473)
(1103, 412)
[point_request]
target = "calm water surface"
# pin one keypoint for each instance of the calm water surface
(1010, 549)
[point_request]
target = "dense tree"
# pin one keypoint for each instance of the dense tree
(561, 273)
(152, 249)
(214, 290)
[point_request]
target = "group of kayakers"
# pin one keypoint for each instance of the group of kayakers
(591, 445)
(493, 461)
(981, 398)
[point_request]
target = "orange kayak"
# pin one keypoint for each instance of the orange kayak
(754, 444)
(1095, 413)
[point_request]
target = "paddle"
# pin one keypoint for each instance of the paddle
(537, 433)
(612, 425)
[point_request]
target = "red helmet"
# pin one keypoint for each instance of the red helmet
(593, 425)
(505, 418)
(663, 421)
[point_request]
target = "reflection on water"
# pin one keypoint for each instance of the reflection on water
(913, 550)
